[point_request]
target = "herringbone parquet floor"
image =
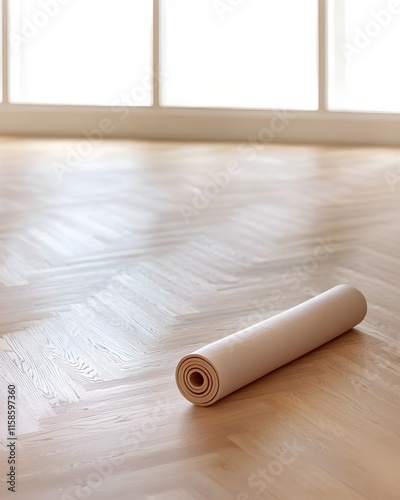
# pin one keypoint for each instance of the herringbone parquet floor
(115, 266)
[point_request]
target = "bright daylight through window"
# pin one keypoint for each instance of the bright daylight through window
(261, 54)
(86, 52)
(172, 66)
(364, 63)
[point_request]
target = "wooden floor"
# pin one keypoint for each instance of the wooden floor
(113, 269)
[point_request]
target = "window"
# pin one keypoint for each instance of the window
(263, 54)
(204, 69)
(364, 47)
(87, 52)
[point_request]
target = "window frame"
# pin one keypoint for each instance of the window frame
(157, 122)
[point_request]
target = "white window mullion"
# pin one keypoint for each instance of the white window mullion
(322, 54)
(4, 31)
(156, 53)
(336, 30)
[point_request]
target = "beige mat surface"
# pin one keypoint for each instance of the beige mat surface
(220, 368)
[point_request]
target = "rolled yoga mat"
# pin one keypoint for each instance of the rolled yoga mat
(220, 368)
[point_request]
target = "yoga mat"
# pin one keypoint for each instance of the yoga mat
(220, 368)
